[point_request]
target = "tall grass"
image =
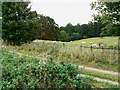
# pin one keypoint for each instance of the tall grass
(69, 53)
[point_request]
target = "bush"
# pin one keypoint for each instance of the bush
(85, 37)
(26, 72)
(102, 35)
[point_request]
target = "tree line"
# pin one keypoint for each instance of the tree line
(20, 24)
(76, 32)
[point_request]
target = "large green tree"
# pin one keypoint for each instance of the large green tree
(63, 35)
(47, 28)
(18, 22)
(108, 12)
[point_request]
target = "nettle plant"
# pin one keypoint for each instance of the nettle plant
(27, 72)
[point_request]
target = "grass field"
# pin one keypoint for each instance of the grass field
(107, 41)
(71, 52)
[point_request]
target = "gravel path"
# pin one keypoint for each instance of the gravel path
(80, 66)
(99, 79)
(89, 68)
(100, 70)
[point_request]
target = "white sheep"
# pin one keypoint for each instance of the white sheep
(70, 41)
(54, 42)
(83, 42)
(94, 45)
(2, 45)
(90, 42)
(101, 45)
(34, 41)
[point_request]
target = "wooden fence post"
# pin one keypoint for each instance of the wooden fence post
(102, 49)
(91, 48)
(114, 50)
(81, 47)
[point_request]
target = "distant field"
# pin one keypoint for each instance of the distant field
(107, 41)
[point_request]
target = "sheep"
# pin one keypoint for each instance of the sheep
(70, 41)
(94, 45)
(34, 41)
(101, 45)
(83, 42)
(2, 45)
(90, 42)
(54, 42)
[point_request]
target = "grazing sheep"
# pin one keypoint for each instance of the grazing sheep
(34, 41)
(94, 45)
(54, 42)
(101, 45)
(83, 42)
(70, 41)
(2, 45)
(90, 42)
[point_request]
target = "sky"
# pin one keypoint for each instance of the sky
(65, 11)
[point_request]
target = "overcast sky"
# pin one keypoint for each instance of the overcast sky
(65, 11)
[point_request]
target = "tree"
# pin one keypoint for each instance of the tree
(47, 28)
(63, 36)
(69, 29)
(18, 22)
(75, 36)
(108, 12)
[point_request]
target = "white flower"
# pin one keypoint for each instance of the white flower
(43, 62)
(40, 61)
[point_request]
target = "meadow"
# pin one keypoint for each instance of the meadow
(71, 52)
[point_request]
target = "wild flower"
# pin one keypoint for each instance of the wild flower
(40, 61)
(43, 62)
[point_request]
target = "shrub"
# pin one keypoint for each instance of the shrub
(85, 37)
(26, 72)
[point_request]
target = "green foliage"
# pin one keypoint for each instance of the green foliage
(18, 22)
(108, 12)
(75, 36)
(63, 36)
(111, 30)
(27, 72)
(92, 29)
(100, 75)
(84, 37)
(99, 84)
(102, 35)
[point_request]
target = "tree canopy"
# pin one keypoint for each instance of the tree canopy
(20, 24)
(108, 12)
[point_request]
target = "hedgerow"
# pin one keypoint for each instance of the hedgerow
(25, 72)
